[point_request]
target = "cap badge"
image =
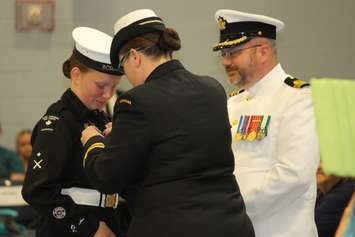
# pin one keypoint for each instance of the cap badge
(107, 67)
(222, 23)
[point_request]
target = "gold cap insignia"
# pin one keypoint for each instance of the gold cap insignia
(221, 23)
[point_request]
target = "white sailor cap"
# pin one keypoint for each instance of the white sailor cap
(133, 24)
(92, 48)
(239, 27)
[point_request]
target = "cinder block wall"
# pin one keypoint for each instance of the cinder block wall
(317, 41)
(30, 68)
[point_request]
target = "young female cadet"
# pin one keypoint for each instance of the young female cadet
(55, 183)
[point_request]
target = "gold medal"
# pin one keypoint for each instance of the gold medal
(235, 122)
(260, 135)
(238, 136)
(251, 136)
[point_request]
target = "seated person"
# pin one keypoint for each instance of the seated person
(26, 215)
(8, 225)
(346, 226)
(23, 146)
(334, 193)
(10, 164)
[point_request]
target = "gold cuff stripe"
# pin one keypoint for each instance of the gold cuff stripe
(229, 43)
(125, 101)
(93, 146)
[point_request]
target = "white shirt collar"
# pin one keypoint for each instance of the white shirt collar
(269, 81)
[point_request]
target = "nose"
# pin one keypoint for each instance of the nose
(226, 61)
(107, 94)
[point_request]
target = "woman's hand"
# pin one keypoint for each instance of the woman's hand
(88, 133)
(104, 231)
(108, 129)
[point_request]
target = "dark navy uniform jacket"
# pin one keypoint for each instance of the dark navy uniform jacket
(331, 205)
(169, 154)
(56, 163)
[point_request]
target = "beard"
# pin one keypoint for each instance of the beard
(236, 76)
(241, 75)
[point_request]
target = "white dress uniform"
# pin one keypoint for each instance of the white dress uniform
(276, 173)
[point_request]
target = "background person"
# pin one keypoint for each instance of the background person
(10, 164)
(334, 194)
(23, 146)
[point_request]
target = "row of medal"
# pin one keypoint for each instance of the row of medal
(252, 127)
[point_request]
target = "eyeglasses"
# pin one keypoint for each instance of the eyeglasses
(125, 57)
(231, 52)
(121, 62)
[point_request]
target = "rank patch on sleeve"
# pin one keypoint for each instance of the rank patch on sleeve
(48, 121)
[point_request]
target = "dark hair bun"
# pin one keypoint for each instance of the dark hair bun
(169, 40)
(66, 68)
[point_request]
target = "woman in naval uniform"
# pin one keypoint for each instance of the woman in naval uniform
(169, 153)
(55, 183)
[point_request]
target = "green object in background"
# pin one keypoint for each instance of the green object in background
(334, 106)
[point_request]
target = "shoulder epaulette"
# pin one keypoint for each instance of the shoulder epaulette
(236, 92)
(296, 83)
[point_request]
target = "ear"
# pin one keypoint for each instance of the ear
(264, 52)
(75, 75)
(137, 57)
(264, 49)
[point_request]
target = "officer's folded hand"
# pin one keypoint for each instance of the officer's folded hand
(89, 132)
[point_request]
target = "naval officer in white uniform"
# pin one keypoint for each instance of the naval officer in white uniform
(274, 136)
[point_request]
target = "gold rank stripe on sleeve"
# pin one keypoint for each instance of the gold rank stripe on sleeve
(252, 127)
(93, 146)
(125, 101)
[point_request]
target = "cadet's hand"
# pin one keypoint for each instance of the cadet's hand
(108, 129)
(104, 231)
(89, 132)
